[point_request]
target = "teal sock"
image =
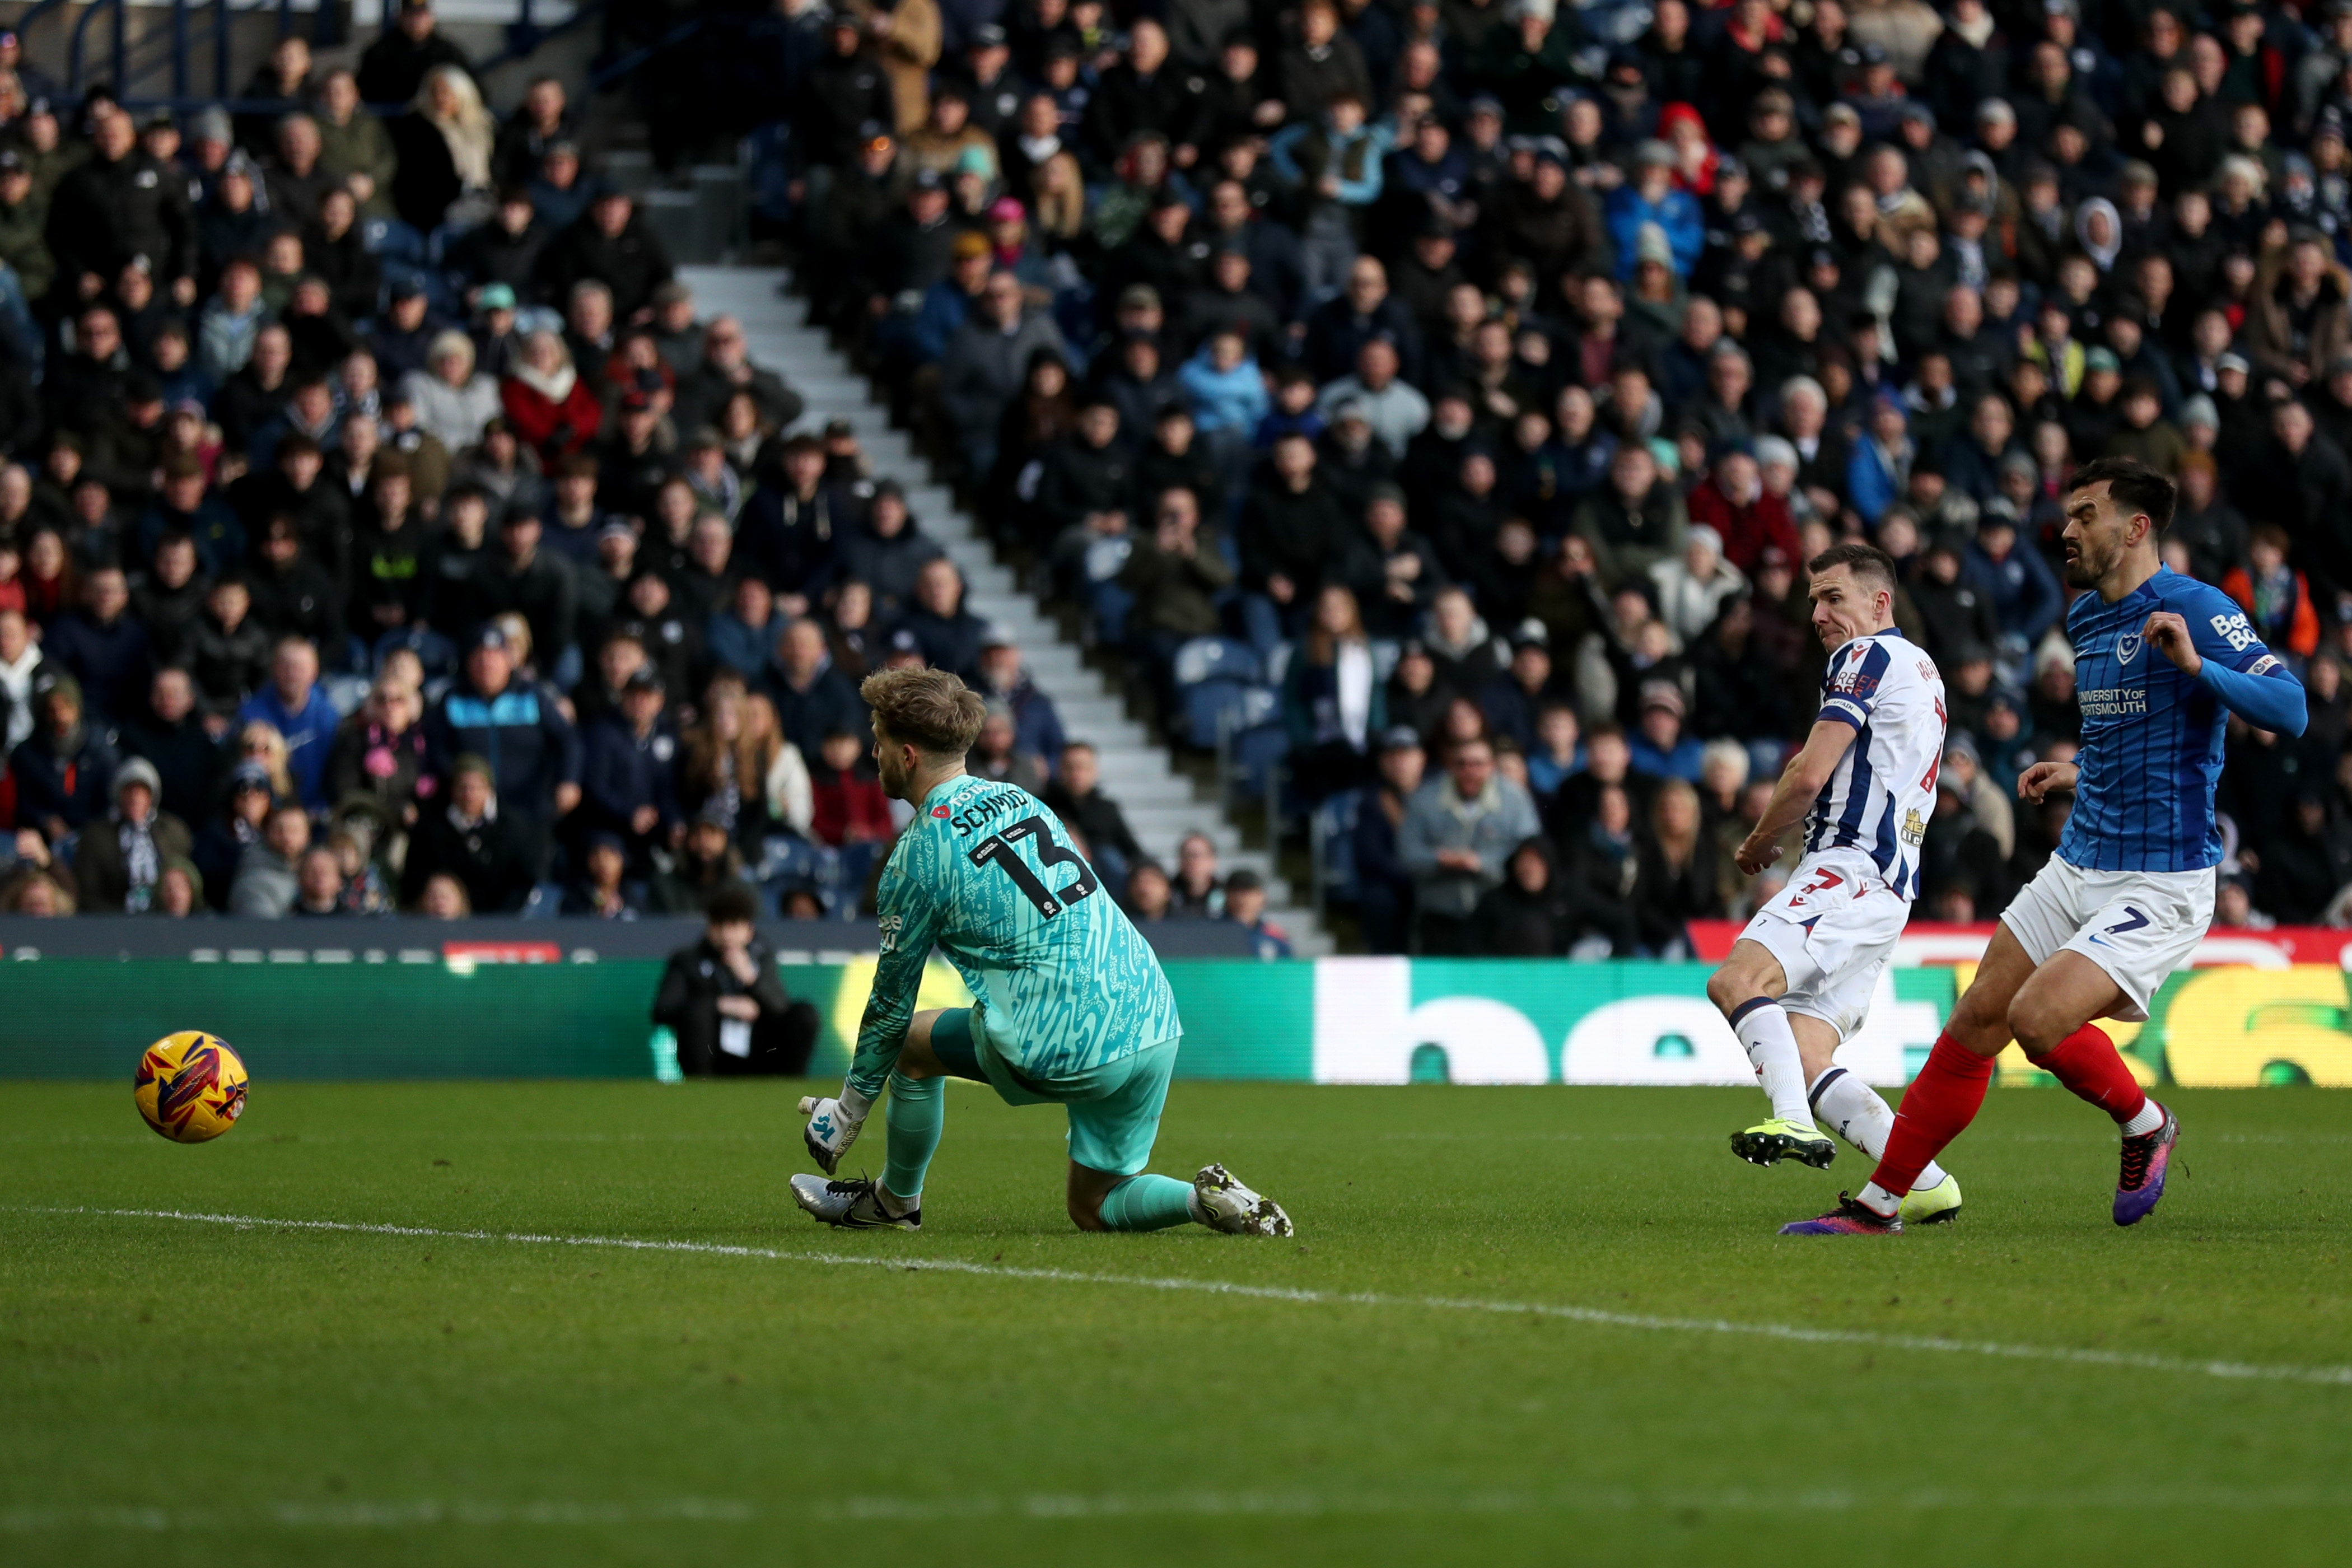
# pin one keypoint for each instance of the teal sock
(917, 1108)
(1146, 1203)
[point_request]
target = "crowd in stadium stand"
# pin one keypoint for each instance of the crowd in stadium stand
(1467, 381)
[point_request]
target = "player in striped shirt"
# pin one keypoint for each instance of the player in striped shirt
(2160, 663)
(1069, 1004)
(1799, 982)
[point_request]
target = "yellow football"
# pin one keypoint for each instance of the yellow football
(190, 1086)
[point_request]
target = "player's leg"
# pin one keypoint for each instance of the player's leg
(1111, 1137)
(1844, 1105)
(912, 1118)
(1747, 990)
(1941, 1102)
(2052, 1018)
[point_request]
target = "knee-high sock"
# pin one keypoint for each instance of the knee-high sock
(918, 1108)
(1764, 1033)
(1147, 1203)
(1853, 1110)
(1943, 1099)
(2087, 1062)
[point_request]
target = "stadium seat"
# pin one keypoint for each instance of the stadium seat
(546, 902)
(1212, 707)
(1225, 659)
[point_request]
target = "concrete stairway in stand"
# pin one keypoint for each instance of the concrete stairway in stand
(1162, 803)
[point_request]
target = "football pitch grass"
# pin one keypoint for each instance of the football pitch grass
(1515, 1325)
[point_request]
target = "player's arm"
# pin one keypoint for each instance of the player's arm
(910, 919)
(1801, 783)
(2234, 666)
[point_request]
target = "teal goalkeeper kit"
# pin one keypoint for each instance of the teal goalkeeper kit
(1069, 1004)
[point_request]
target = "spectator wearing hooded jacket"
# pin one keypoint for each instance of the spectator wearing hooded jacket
(516, 726)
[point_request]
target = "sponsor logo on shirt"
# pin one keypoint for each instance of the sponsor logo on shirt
(889, 926)
(2264, 664)
(2114, 702)
(2234, 629)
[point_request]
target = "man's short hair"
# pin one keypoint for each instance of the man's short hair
(2135, 487)
(1862, 559)
(734, 904)
(929, 708)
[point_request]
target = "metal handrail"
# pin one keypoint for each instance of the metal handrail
(177, 45)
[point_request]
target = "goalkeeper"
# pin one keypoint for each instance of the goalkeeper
(1069, 1004)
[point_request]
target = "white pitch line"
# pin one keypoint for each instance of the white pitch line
(429, 1512)
(2334, 1376)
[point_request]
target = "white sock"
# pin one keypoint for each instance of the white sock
(892, 1203)
(1193, 1206)
(1878, 1200)
(1764, 1033)
(1855, 1113)
(2150, 1118)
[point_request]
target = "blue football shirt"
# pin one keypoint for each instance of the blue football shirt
(2151, 755)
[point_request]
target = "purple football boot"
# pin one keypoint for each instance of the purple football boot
(2146, 1159)
(1850, 1218)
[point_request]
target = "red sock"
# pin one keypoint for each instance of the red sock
(1942, 1101)
(2087, 1062)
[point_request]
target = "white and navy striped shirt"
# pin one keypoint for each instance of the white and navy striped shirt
(1882, 790)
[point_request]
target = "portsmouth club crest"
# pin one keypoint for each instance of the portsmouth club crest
(2127, 647)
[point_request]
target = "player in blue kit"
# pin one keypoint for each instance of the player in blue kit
(1068, 1001)
(2160, 663)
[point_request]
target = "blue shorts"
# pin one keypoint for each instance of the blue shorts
(1114, 1109)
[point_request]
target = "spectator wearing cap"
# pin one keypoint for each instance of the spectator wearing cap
(1456, 835)
(472, 837)
(887, 551)
(232, 826)
(1513, 698)
(948, 303)
(1246, 906)
(518, 728)
(1384, 887)
(602, 889)
(628, 770)
(1660, 746)
(1651, 197)
(1037, 725)
(119, 860)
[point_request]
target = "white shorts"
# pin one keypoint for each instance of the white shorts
(2138, 926)
(1832, 928)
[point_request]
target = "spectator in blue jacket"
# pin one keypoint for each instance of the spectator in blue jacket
(514, 724)
(296, 706)
(2026, 598)
(1650, 197)
(1879, 472)
(1660, 748)
(64, 771)
(628, 771)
